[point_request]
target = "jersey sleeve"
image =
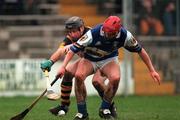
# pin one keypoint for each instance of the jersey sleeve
(84, 41)
(131, 44)
(67, 41)
(61, 45)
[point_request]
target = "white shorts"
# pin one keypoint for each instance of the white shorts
(102, 63)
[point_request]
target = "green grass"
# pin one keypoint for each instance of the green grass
(129, 108)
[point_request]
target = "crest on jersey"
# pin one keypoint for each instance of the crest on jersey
(83, 38)
(133, 41)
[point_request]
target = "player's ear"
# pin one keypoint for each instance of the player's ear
(82, 29)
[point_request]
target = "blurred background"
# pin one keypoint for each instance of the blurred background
(31, 30)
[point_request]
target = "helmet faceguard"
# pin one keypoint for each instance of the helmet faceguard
(74, 23)
(111, 27)
(74, 27)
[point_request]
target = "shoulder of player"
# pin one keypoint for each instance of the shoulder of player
(125, 33)
(123, 30)
(88, 27)
(96, 28)
(85, 39)
(67, 40)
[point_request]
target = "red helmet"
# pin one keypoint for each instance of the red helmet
(111, 26)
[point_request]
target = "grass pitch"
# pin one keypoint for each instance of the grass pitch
(129, 108)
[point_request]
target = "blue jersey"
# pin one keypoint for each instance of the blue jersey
(96, 47)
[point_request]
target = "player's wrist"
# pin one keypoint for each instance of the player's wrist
(51, 62)
(63, 66)
(152, 70)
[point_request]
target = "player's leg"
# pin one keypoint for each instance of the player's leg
(98, 83)
(84, 69)
(66, 87)
(112, 72)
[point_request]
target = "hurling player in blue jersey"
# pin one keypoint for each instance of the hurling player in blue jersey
(100, 46)
(75, 29)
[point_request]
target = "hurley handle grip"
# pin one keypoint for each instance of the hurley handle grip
(46, 73)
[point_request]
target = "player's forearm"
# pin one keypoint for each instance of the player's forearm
(56, 55)
(146, 59)
(68, 58)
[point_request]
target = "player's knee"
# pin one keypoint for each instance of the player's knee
(67, 77)
(69, 73)
(115, 79)
(95, 83)
(80, 77)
